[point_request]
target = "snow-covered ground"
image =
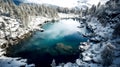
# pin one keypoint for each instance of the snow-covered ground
(91, 52)
(106, 51)
(101, 50)
(14, 31)
(13, 62)
(96, 54)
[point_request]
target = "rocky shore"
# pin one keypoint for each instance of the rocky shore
(102, 48)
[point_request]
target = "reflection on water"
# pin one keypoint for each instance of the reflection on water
(59, 41)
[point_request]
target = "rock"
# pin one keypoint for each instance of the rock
(95, 65)
(86, 58)
(63, 47)
(97, 59)
(79, 62)
(41, 30)
(107, 54)
(96, 39)
(12, 62)
(84, 46)
(69, 64)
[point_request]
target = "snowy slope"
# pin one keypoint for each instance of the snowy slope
(68, 3)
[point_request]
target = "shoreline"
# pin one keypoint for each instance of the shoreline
(34, 25)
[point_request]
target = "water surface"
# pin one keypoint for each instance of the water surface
(59, 41)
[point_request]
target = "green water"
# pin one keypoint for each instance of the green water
(59, 41)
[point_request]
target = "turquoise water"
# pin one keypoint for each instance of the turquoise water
(59, 41)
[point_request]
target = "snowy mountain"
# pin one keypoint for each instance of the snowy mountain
(68, 3)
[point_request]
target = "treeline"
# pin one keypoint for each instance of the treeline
(105, 13)
(68, 10)
(88, 11)
(109, 12)
(24, 11)
(95, 9)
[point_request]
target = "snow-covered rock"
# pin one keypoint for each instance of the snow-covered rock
(106, 52)
(13, 62)
(11, 32)
(11, 28)
(84, 46)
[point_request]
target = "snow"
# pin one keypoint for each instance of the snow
(68, 3)
(14, 31)
(11, 25)
(13, 62)
(2, 52)
(2, 41)
(70, 65)
(84, 46)
(95, 51)
(101, 31)
(63, 15)
(39, 20)
(117, 61)
(84, 64)
(86, 58)
(62, 3)
(95, 65)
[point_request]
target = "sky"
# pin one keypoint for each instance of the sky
(65, 3)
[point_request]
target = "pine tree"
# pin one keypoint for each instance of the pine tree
(98, 5)
(23, 11)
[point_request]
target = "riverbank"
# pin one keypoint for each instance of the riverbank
(12, 33)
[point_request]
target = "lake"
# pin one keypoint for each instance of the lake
(59, 41)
